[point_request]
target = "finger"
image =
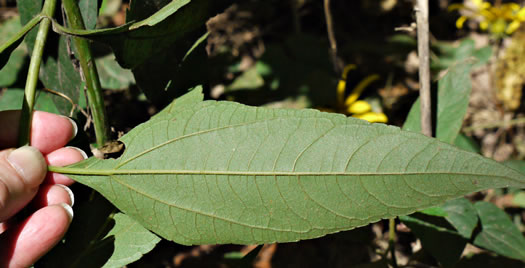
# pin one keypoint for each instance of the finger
(48, 131)
(24, 244)
(21, 172)
(52, 195)
(63, 157)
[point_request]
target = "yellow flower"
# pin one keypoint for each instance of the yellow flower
(357, 108)
(498, 20)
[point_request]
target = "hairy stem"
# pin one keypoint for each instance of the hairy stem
(89, 70)
(24, 134)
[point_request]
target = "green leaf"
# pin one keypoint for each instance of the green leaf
(158, 16)
(10, 72)
(57, 71)
(518, 165)
(111, 75)
(448, 54)
(462, 215)
(11, 99)
(97, 239)
(131, 241)
(161, 24)
(89, 10)
(9, 45)
(466, 143)
(29, 10)
(452, 102)
(498, 233)
(432, 235)
(221, 172)
(519, 199)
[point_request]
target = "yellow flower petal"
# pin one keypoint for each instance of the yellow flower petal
(373, 117)
(461, 21)
(341, 92)
(521, 14)
(356, 92)
(512, 27)
(484, 25)
(512, 6)
(359, 107)
(347, 69)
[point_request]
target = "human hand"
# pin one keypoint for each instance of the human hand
(25, 182)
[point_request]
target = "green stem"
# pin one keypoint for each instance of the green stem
(89, 69)
(24, 136)
(392, 240)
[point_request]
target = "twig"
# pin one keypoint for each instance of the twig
(421, 10)
(338, 65)
(498, 124)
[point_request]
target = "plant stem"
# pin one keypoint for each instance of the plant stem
(392, 240)
(89, 70)
(338, 65)
(26, 118)
(421, 9)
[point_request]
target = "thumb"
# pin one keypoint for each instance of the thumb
(21, 172)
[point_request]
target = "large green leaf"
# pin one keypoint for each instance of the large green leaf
(221, 172)
(498, 232)
(452, 102)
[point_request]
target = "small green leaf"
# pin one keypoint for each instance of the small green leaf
(160, 15)
(519, 199)
(448, 54)
(498, 233)
(111, 75)
(432, 235)
(131, 241)
(466, 143)
(97, 239)
(221, 172)
(8, 46)
(452, 102)
(10, 72)
(435, 211)
(462, 215)
(11, 99)
(89, 10)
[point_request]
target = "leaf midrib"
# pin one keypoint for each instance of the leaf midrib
(112, 172)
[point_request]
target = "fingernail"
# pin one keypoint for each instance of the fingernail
(68, 209)
(69, 192)
(29, 164)
(80, 151)
(75, 127)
